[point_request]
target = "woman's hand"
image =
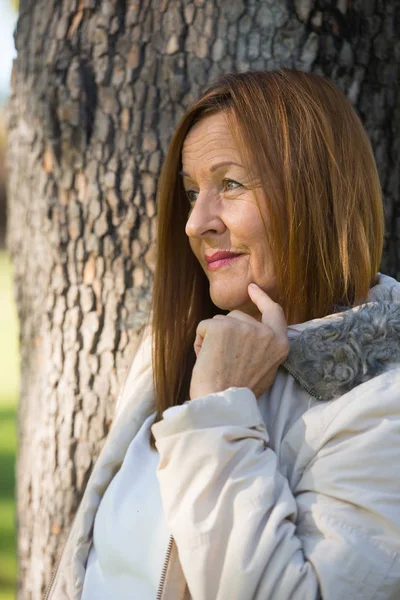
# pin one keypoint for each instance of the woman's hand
(236, 350)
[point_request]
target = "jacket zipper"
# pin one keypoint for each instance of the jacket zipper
(55, 569)
(301, 382)
(163, 572)
(164, 569)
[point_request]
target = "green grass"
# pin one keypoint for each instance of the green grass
(8, 402)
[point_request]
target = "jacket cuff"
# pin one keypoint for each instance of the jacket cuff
(234, 406)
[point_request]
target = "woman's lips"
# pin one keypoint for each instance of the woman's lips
(216, 264)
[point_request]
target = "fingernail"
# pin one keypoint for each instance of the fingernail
(253, 285)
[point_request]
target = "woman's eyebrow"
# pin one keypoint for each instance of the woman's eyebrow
(215, 167)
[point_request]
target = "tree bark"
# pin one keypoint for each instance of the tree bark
(97, 88)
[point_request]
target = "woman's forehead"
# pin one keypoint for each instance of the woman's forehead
(210, 139)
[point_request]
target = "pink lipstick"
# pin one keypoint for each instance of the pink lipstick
(219, 259)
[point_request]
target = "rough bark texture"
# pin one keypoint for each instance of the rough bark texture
(97, 88)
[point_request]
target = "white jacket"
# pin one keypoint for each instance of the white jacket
(299, 503)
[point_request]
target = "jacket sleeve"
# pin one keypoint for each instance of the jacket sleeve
(243, 534)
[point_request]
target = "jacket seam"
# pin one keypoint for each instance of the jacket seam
(358, 531)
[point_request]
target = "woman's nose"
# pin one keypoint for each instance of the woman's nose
(204, 218)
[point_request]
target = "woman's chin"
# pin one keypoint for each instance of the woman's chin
(228, 300)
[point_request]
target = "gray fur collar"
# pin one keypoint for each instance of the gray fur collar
(331, 356)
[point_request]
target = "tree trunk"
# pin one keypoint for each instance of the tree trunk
(97, 88)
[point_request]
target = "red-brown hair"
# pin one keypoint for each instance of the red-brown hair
(325, 210)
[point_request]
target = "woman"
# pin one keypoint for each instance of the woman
(255, 451)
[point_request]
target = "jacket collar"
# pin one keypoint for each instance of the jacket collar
(332, 355)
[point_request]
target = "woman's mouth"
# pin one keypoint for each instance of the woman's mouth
(216, 264)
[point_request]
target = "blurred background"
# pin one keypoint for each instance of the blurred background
(9, 332)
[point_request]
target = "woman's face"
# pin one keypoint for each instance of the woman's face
(225, 216)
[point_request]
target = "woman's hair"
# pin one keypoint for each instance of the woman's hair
(323, 200)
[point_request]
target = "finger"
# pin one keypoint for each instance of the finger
(271, 312)
(198, 342)
(201, 331)
(201, 328)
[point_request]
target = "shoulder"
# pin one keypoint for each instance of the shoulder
(346, 481)
(356, 455)
(140, 371)
(366, 418)
(342, 435)
(142, 352)
(360, 425)
(370, 405)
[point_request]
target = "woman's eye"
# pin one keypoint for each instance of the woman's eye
(230, 184)
(192, 195)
